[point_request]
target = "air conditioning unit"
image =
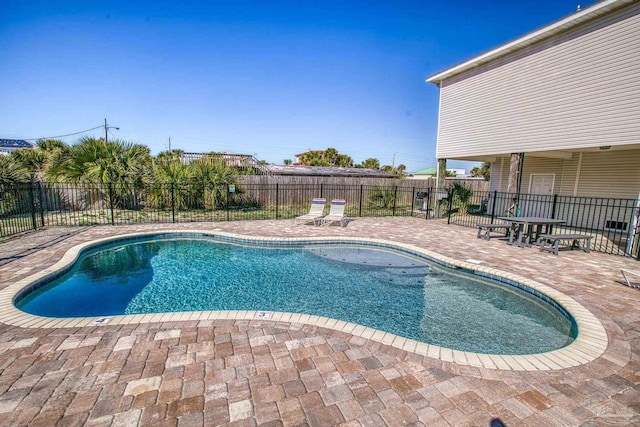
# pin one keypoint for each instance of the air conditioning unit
(616, 225)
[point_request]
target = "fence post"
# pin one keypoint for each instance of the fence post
(553, 207)
(135, 199)
(113, 222)
(413, 199)
(32, 202)
(277, 193)
(41, 205)
(321, 189)
(450, 197)
(493, 207)
(360, 208)
(429, 193)
(227, 203)
(173, 204)
(395, 196)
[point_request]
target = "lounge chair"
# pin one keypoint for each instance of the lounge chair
(336, 213)
(631, 278)
(316, 212)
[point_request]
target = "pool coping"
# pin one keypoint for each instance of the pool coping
(590, 343)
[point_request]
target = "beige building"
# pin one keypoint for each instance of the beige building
(556, 111)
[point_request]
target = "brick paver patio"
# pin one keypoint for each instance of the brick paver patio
(260, 372)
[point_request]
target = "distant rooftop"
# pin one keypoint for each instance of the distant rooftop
(230, 159)
(327, 171)
(14, 143)
(309, 151)
(427, 171)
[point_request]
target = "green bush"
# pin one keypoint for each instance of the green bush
(381, 197)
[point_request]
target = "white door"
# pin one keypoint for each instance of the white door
(540, 188)
(542, 184)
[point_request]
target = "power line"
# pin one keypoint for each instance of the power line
(62, 136)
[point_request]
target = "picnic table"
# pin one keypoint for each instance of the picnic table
(526, 230)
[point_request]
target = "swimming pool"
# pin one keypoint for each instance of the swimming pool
(377, 286)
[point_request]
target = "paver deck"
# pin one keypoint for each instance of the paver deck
(264, 372)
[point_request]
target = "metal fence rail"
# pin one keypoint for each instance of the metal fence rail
(32, 206)
(613, 223)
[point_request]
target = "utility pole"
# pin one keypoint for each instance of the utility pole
(106, 131)
(393, 161)
(169, 145)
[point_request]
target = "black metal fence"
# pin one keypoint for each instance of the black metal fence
(614, 223)
(27, 207)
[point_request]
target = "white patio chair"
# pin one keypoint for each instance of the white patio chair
(316, 212)
(631, 278)
(336, 213)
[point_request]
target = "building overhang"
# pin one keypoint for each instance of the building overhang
(566, 154)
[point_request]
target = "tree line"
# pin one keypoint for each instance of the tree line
(331, 157)
(125, 167)
(96, 161)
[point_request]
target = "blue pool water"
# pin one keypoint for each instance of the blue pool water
(378, 288)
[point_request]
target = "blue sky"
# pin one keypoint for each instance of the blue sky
(247, 77)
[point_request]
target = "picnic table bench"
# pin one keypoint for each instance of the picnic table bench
(550, 242)
(632, 279)
(484, 230)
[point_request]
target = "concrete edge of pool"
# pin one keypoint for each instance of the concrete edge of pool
(590, 343)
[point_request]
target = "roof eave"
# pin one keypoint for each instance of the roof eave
(535, 36)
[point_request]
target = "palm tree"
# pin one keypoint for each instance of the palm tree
(169, 178)
(50, 145)
(344, 161)
(314, 158)
(331, 156)
(387, 168)
(215, 176)
(371, 163)
(31, 160)
(12, 172)
(117, 164)
(12, 194)
(170, 155)
(483, 171)
(95, 162)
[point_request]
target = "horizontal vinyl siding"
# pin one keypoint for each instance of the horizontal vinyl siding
(500, 176)
(579, 89)
(537, 165)
(610, 174)
(564, 171)
(568, 176)
(496, 175)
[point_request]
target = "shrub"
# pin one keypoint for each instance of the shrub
(381, 197)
